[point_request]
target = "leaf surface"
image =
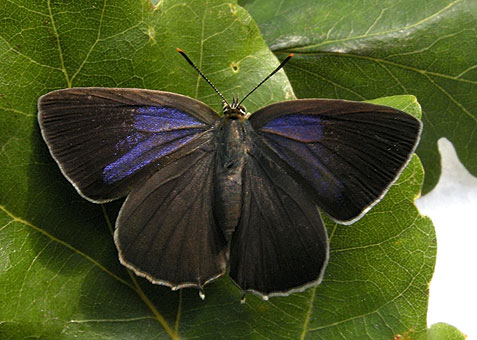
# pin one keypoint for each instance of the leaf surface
(60, 277)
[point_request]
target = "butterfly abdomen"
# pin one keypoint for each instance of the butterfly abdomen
(228, 181)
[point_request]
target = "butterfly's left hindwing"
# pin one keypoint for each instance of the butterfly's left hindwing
(344, 154)
(166, 230)
(107, 140)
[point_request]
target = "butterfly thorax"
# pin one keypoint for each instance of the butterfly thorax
(229, 166)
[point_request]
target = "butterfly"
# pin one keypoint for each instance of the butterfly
(238, 192)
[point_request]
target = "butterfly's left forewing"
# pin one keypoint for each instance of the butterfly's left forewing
(106, 140)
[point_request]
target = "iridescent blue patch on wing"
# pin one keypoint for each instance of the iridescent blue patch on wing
(157, 119)
(303, 128)
(155, 133)
(145, 152)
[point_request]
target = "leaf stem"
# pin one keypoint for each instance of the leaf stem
(137, 288)
(172, 333)
(308, 314)
(179, 309)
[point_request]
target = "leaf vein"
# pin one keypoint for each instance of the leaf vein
(388, 32)
(66, 245)
(93, 45)
(60, 51)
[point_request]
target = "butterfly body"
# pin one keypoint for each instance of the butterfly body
(207, 193)
(229, 165)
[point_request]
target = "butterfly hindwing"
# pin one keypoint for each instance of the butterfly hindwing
(166, 230)
(280, 244)
(106, 140)
(345, 154)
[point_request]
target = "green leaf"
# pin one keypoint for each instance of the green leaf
(368, 49)
(59, 273)
(443, 331)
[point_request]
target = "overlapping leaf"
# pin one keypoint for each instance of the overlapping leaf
(443, 331)
(364, 50)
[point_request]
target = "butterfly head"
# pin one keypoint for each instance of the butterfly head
(234, 110)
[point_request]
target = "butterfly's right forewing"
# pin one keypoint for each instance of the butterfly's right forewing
(345, 154)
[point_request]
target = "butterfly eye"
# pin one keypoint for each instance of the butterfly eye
(225, 107)
(243, 110)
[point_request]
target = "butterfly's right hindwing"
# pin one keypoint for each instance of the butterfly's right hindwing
(280, 244)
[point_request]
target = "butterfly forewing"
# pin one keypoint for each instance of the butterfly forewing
(108, 140)
(345, 154)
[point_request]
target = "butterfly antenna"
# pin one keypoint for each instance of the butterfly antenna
(268, 77)
(201, 74)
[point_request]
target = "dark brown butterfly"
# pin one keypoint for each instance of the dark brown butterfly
(239, 191)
